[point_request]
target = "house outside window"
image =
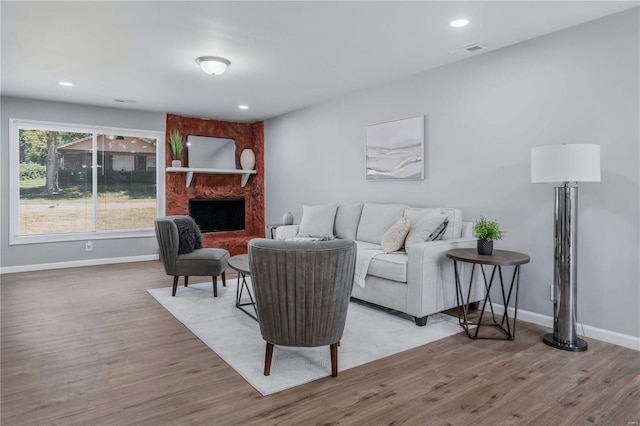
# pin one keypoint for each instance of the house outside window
(76, 182)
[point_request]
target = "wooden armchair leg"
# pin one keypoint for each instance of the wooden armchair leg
(334, 359)
(267, 359)
(175, 284)
(224, 278)
(186, 281)
(215, 286)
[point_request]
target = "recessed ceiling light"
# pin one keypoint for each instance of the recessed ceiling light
(65, 83)
(243, 106)
(459, 23)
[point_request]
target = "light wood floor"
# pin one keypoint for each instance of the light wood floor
(89, 346)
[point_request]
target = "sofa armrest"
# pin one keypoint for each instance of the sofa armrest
(431, 285)
(287, 231)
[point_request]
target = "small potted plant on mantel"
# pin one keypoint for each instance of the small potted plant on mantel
(175, 142)
(487, 231)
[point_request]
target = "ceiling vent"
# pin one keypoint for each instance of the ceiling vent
(474, 47)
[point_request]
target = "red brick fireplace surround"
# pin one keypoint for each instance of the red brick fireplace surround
(246, 135)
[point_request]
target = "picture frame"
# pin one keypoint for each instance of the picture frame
(395, 150)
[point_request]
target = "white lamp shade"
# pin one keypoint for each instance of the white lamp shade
(565, 163)
(213, 65)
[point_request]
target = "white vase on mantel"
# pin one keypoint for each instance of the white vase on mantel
(176, 163)
(247, 159)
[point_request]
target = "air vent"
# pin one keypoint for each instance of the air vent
(125, 101)
(474, 47)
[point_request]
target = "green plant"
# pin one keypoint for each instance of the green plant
(175, 140)
(488, 230)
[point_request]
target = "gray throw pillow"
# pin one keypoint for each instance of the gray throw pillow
(430, 227)
(189, 235)
(347, 219)
(317, 221)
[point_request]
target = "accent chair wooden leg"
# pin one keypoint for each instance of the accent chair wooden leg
(267, 359)
(334, 359)
(186, 281)
(224, 278)
(214, 279)
(175, 284)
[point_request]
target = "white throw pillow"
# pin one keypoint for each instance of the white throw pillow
(393, 239)
(429, 227)
(317, 221)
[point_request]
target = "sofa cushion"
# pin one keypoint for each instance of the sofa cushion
(390, 266)
(429, 227)
(317, 221)
(347, 218)
(454, 228)
(393, 239)
(376, 219)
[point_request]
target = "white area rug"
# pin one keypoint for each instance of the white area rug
(369, 334)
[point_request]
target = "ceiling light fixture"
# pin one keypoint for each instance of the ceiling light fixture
(243, 106)
(459, 23)
(213, 65)
(65, 83)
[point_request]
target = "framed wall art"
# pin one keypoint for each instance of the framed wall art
(395, 150)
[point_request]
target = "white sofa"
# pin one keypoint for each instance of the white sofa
(418, 280)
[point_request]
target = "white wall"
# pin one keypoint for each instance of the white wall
(483, 115)
(73, 251)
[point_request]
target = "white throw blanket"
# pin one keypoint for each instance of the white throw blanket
(363, 259)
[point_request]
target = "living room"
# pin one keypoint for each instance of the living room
(483, 114)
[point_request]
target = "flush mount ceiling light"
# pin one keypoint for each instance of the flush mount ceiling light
(459, 23)
(65, 83)
(213, 65)
(243, 106)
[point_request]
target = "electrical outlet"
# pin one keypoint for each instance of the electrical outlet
(551, 292)
(88, 246)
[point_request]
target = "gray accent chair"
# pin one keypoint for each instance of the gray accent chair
(206, 262)
(302, 292)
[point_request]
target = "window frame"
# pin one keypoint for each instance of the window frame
(15, 124)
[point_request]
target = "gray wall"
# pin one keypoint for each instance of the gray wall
(483, 116)
(28, 254)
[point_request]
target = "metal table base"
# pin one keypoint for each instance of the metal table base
(242, 285)
(504, 324)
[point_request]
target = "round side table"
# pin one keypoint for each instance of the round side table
(241, 264)
(498, 259)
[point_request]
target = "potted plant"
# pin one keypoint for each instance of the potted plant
(487, 231)
(175, 142)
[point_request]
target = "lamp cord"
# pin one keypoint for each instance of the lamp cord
(579, 322)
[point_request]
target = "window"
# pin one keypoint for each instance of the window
(77, 182)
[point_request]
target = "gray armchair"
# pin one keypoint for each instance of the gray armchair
(199, 262)
(302, 292)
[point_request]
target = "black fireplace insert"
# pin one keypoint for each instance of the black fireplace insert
(218, 214)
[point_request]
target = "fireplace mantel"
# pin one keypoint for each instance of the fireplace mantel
(191, 170)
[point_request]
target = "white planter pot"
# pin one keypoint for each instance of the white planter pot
(176, 163)
(247, 159)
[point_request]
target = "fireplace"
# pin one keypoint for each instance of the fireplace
(218, 214)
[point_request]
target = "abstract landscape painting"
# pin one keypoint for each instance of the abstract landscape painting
(395, 150)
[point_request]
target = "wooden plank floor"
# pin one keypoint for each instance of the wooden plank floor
(89, 346)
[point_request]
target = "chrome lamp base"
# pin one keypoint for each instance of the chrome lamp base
(565, 306)
(578, 346)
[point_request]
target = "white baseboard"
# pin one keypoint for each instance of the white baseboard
(76, 263)
(616, 338)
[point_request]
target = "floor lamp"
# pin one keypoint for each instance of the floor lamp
(565, 164)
